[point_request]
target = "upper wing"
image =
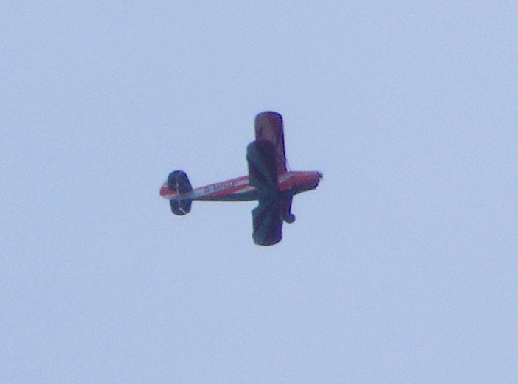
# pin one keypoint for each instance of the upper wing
(268, 126)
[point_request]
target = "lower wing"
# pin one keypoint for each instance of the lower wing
(267, 222)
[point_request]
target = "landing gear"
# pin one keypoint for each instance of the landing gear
(288, 218)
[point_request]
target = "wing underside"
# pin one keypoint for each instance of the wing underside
(262, 173)
(262, 170)
(266, 161)
(267, 222)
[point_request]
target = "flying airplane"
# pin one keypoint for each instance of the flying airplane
(268, 181)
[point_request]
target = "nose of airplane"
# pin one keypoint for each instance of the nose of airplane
(313, 179)
(319, 177)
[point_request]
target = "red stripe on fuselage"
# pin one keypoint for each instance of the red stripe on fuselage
(239, 188)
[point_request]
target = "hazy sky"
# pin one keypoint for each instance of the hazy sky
(401, 267)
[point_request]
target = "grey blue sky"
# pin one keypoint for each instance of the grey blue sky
(401, 267)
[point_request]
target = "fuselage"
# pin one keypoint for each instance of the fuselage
(239, 189)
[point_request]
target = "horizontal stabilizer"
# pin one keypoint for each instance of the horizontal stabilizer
(180, 207)
(177, 181)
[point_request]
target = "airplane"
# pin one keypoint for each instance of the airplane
(269, 182)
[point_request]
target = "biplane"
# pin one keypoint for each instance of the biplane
(269, 182)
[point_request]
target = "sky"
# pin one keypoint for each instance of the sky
(401, 267)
